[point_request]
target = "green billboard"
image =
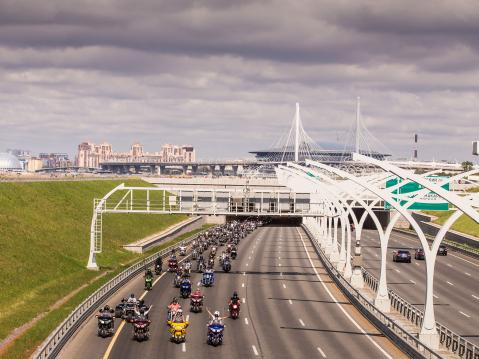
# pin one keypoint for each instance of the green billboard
(430, 201)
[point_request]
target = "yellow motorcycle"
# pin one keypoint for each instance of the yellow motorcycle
(177, 331)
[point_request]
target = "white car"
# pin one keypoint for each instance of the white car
(182, 251)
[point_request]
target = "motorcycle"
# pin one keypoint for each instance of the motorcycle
(234, 310)
(105, 326)
(226, 265)
(178, 331)
(211, 262)
(187, 269)
(194, 255)
(172, 264)
(129, 312)
(215, 334)
(208, 279)
(120, 309)
(182, 251)
(148, 283)
(200, 267)
(185, 289)
(196, 305)
(177, 281)
(158, 269)
(234, 253)
(141, 329)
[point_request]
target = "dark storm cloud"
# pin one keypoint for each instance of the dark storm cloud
(215, 72)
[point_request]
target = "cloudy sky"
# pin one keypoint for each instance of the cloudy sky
(225, 75)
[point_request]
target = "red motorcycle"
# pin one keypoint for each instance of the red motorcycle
(234, 309)
(141, 329)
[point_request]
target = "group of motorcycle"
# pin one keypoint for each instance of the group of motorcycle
(136, 312)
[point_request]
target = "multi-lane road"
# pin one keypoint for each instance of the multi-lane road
(290, 309)
(456, 286)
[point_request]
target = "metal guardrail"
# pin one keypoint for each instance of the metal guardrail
(52, 346)
(409, 343)
(449, 339)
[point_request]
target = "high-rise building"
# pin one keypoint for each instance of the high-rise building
(91, 156)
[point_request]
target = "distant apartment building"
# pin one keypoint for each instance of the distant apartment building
(91, 155)
(55, 160)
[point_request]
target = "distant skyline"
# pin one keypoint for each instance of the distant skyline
(224, 76)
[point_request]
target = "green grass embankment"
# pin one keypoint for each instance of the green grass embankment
(464, 224)
(44, 239)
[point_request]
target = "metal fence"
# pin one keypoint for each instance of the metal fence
(449, 339)
(60, 336)
(409, 343)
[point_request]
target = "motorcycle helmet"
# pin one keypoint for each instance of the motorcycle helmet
(141, 302)
(175, 300)
(132, 295)
(107, 308)
(235, 295)
(179, 311)
(142, 311)
(217, 314)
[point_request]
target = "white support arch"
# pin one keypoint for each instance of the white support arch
(428, 333)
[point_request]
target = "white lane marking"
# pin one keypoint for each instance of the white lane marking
(416, 263)
(244, 300)
(279, 264)
(183, 347)
(246, 321)
(242, 285)
(468, 274)
(464, 314)
(249, 257)
(475, 296)
(188, 318)
(339, 305)
(435, 296)
(279, 257)
(449, 283)
(376, 254)
(284, 286)
(290, 301)
(397, 270)
(413, 282)
(244, 273)
(255, 350)
(449, 265)
(321, 352)
(246, 264)
(281, 274)
(302, 323)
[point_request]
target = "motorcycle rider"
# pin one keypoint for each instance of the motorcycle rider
(159, 262)
(107, 313)
(215, 318)
(174, 305)
(142, 312)
(132, 299)
(197, 295)
(148, 273)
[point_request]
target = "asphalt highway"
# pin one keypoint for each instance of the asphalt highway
(456, 285)
(290, 309)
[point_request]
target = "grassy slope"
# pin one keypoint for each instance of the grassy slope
(44, 238)
(464, 224)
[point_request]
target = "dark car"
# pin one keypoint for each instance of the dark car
(442, 251)
(402, 256)
(419, 254)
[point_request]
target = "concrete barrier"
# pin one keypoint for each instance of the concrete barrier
(174, 231)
